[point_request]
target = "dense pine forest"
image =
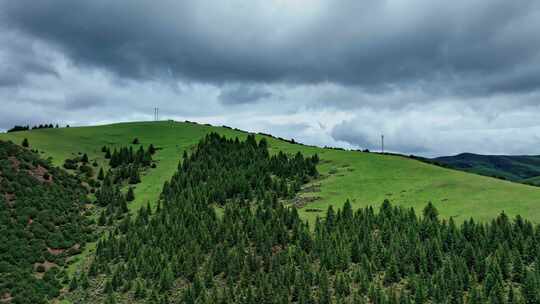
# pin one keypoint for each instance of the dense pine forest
(258, 250)
(41, 224)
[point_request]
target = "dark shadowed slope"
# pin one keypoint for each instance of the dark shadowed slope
(522, 168)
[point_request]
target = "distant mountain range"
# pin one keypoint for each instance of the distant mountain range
(523, 168)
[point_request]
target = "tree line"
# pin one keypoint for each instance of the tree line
(18, 128)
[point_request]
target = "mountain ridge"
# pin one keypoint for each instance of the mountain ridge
(517, 168)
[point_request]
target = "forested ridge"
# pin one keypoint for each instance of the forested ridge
(260, 251)
(41, 224)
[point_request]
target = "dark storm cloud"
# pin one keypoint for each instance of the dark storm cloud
(243, 94)
(473, 47)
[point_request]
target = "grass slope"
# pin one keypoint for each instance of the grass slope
(519, 168)
(364, 178)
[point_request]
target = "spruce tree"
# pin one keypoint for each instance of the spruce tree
(325, 293)
(392, 272)
(529, 289)
(130, 196)
(74, 284)
(134, 177)
(101, 174)
(494, 276)
(518, 268)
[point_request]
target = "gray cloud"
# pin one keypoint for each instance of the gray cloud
(19, 60)
(243, 94)
(84, 101)
(397, 141)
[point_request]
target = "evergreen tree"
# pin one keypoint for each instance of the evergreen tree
(530, 288)
(74, 284)
(325, 293)
(494, 277)
(101, 174)
(130, 196)
(518, 269)
(134, 177)
(430, 212)
(392, 273)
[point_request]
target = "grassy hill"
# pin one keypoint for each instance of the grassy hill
(519, 168)
(364, 178)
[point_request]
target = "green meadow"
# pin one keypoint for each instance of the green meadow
(363, 178)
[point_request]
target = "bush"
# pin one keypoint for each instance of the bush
(70, 164)
(40, 268)
(87, 170)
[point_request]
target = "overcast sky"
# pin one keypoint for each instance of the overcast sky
(436, 77)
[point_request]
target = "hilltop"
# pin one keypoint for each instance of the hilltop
(364, 178)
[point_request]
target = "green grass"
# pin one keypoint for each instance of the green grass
(364, 178)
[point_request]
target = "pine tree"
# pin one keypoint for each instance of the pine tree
(166, 279)
(101, 174)
(130, 196)
(74, 284)
(102, 220)
(529, 289)
(111, 299)
(140, 291)
(134, 176)
(83, 281)
(392, 272)
(518, 268)
(493, 277)
(325, 293)
(342, 285)
(475, 296)
(496, 295)
(430, 212)
(25, 143)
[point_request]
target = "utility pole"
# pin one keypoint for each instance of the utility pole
(382, 143)
(156, 114)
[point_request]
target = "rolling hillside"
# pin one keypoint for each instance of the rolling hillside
(518, 168)
(364, 178)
